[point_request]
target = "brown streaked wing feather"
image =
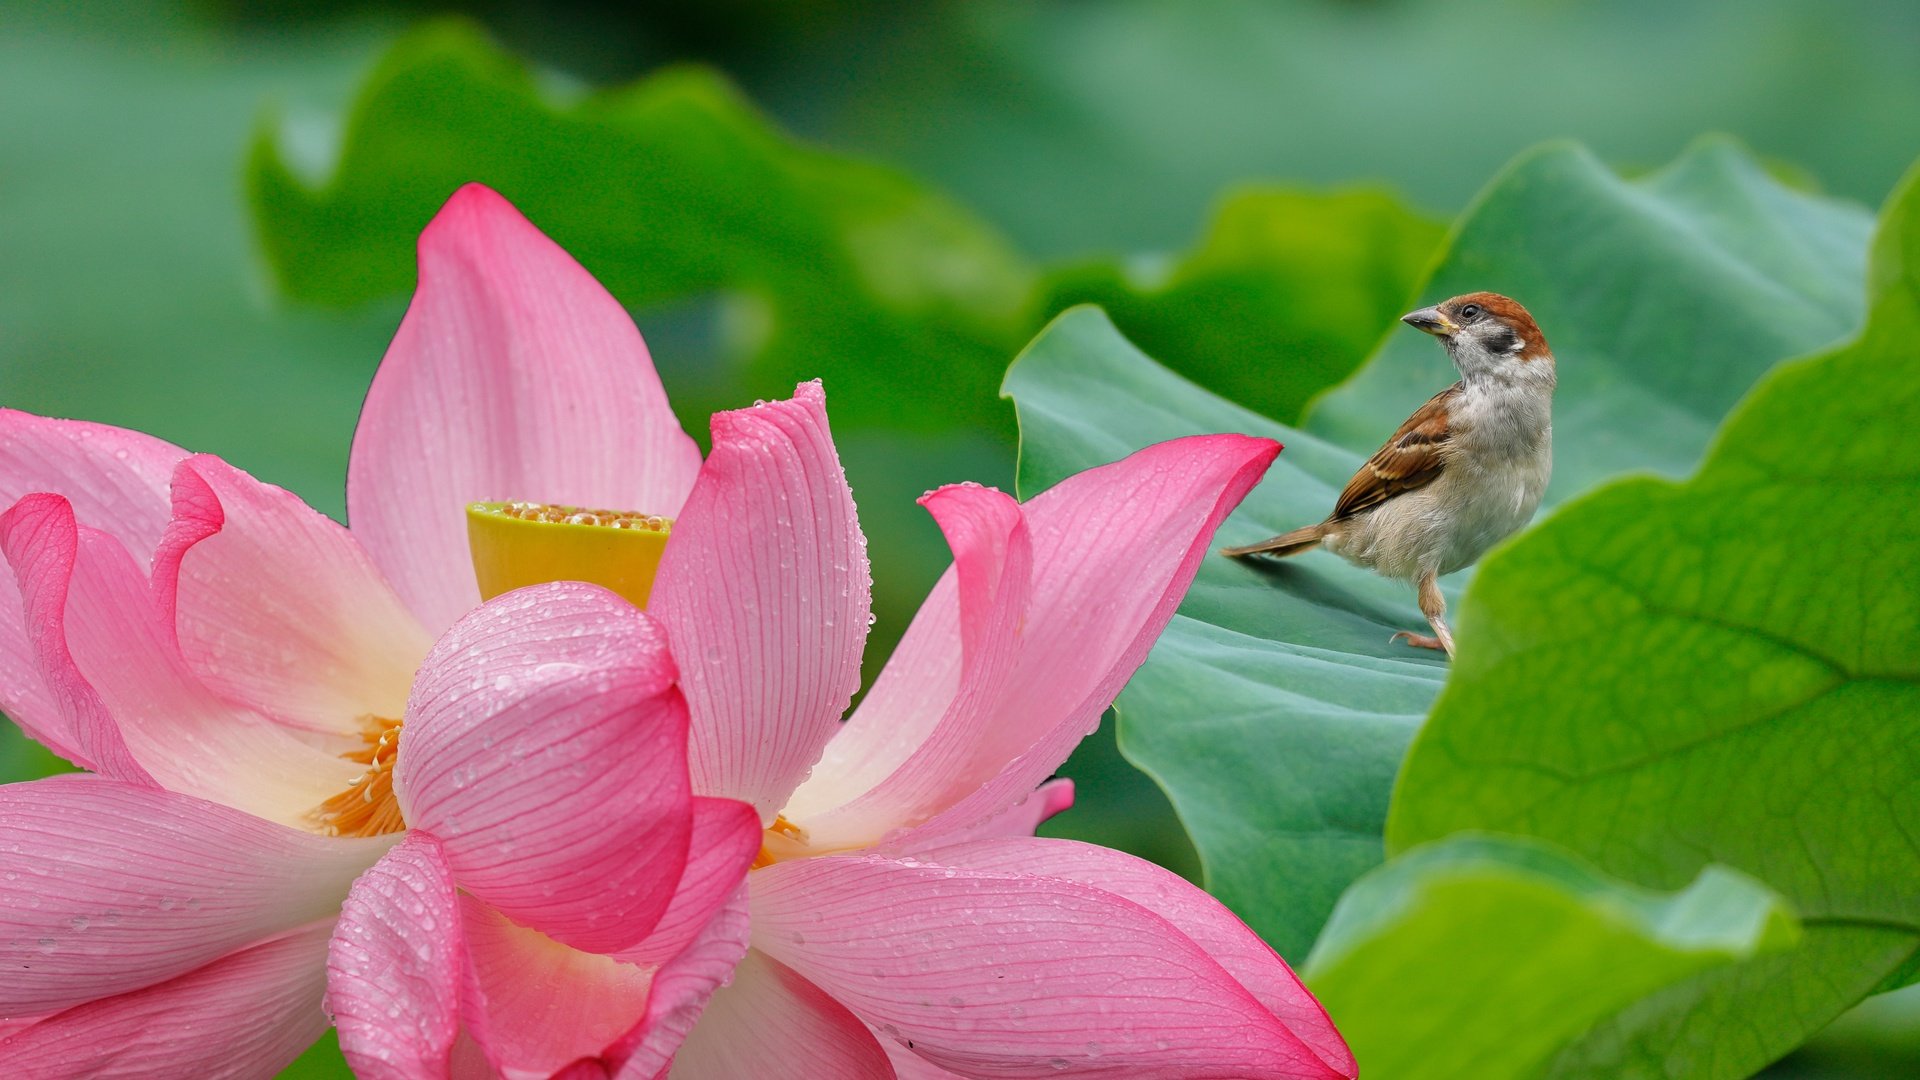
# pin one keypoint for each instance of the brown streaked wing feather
(1411, 459)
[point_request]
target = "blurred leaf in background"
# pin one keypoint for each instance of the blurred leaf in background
(1107, 126)
(1280, 299)
(672, 189)
(1663, 298)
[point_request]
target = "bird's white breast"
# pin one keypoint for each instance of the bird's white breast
(1498, 460)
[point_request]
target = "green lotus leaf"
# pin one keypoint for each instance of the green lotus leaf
(1479, 957)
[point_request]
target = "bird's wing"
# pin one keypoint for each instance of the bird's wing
(1412, 458)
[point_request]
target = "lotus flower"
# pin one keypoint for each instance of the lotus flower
(565, 899)
(286, 762)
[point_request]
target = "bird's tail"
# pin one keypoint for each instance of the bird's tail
(1293, 543)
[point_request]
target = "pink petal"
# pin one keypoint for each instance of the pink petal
(771, 1022)
(998, 974)
(540, 1005)
(1199, 916)
(108, 651)
(938, 703)
(470, 1058)
(42, 543)
(1021, 819)
(726, 839)
(1114, 550)
(246, 1014)
(276, 606)
(908, 1065)
(395, 966)
(545, 746)
(681, 991)
(765, 593)
(116, 480)
(513, 376)
(106, 888)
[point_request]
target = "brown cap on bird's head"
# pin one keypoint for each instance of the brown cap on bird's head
(1447, 318)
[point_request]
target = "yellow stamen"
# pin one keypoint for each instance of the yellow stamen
(367, 807)
(783, 840)
(518, 544)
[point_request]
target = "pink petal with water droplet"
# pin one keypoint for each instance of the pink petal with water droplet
(246, 1014)
(396, 965)
(726, 839)
(1197, 915)
(765, 593)
(545, 747)
(994, 973)
(107, 888)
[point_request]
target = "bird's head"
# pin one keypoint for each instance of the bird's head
(1485, 334)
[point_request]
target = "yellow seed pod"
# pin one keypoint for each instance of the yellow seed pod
(516, 544)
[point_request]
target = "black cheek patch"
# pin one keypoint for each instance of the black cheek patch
(1502, 339)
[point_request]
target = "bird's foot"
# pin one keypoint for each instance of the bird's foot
(1421, 641)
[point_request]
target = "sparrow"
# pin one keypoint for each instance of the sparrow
(1464, 472)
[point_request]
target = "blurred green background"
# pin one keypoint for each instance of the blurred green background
(894, 196)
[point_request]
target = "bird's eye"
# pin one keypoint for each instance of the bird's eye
(1470, 312)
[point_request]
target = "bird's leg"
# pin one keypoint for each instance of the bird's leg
(1434, 606)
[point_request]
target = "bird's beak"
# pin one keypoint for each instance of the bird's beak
(1430, 320)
